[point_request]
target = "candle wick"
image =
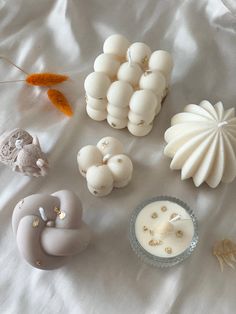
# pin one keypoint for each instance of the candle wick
(222, 124)
(177, 217)
(106, 158)
(43, 214)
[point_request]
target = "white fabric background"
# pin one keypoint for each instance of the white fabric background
(65, 36)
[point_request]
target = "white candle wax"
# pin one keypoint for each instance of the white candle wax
(161, 236)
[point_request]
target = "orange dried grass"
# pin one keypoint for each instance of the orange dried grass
(60, 101)
(45, 79)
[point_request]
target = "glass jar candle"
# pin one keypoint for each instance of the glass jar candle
(163, 231)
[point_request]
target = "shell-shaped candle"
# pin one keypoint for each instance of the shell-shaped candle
(22, 152)
(128, 85)
(202, 143)
(49, 228)
(105, 166)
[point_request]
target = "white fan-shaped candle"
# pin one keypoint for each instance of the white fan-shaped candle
(105, 166)
(128, 85)
(202, 143)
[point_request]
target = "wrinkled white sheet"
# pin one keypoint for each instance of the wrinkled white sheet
(65, 36)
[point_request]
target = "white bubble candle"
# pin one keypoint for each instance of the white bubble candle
(105, 166)
(128, 85)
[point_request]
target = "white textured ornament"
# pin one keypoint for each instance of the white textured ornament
(97, 104)
(97, 115)
(110, 146)
(96, 85)
(119, 93)
(117, 123)
(154, 81)
(162, 61)
(139, 53)
(107, 63)
(143, 101)
(88, 156)
(202, 143)
(105, 166)
(116, 44)
(139, 130)
(130, 73)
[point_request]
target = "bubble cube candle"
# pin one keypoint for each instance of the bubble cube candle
(128, 85)
(105, 166)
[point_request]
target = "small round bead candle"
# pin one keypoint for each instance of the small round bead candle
(105, 166)
(163, 231)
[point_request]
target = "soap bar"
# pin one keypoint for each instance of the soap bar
(202, 143)
(49, 228)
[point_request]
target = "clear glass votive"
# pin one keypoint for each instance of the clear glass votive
(163, 231)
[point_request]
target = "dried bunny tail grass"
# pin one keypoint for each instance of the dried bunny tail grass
(60, 102)
(45, 79)
(225, 252)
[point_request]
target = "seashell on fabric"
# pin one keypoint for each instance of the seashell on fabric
(49, 228)
(22, 152)
(202, 143)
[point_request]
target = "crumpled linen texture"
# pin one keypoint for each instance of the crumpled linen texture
(65, 37)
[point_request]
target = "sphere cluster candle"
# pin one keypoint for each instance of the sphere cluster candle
(128, 85)
(49, 228)
(163, 231)
(105, 166)
(202, 143)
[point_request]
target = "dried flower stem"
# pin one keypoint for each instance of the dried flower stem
(60, 101)
(12, 63)
(45, 79)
